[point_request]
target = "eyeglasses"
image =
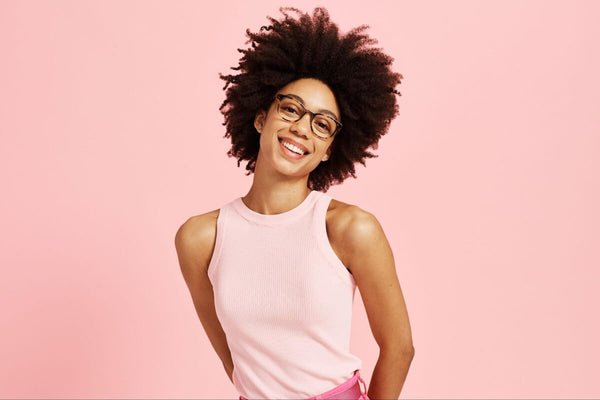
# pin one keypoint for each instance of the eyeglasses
(290, 109)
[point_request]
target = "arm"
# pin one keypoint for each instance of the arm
(371, 261)
(194, 242)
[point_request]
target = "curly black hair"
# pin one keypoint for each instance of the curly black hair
(312, 47)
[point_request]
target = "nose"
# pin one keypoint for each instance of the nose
(302, 126)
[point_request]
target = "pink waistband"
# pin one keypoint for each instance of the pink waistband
(348, 390)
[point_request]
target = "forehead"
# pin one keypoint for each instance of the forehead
(315, 94)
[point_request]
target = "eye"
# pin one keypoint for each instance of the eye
(323, 124)
(290, 109)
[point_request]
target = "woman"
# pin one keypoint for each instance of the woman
(273, 274)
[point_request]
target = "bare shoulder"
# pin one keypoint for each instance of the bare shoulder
(348, 218)
(342, 213)
(195, 240)
(348, 224)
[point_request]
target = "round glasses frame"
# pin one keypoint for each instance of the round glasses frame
(338, 124)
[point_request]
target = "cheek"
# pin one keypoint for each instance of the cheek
(270, 127)
(268, 137)
(265, 141)
(322, 149)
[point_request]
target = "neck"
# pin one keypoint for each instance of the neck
(273, 192)
(275, 199)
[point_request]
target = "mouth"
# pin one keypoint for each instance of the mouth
(291, 149)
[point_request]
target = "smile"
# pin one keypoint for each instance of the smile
(291, 150)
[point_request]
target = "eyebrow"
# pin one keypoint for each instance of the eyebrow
(321, 111)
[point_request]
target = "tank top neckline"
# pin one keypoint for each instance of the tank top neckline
(283, 217)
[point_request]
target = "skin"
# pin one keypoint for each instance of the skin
(357, 238)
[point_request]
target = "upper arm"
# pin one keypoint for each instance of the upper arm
(371, 261)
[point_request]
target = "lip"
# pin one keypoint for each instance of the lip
(290, 154)
(304, 149)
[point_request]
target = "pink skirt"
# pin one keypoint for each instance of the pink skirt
(348, 390)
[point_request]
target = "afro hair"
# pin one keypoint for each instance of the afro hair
(312, 47)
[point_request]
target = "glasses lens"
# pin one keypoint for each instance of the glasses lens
(290, 109)
(323, 126)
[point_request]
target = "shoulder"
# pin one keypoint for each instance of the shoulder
(195, 240)
(350, 229)
(198, 226)
(344, 217)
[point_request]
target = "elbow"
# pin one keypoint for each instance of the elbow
(411, 352)
(404, 350)
(407, 351)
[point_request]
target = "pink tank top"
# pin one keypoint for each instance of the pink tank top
(284, 300)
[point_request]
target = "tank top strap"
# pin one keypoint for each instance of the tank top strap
(319, 226)
(222, 219)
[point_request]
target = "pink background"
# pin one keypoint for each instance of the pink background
(487, 187)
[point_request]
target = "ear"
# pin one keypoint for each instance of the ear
(259, 120)
(327, 154)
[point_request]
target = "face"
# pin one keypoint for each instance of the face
(276, 132)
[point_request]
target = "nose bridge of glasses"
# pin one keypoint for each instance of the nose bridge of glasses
(304, 114)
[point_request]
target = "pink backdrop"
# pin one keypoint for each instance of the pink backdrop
(487, 187)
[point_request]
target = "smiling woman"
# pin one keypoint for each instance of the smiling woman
(273, 274)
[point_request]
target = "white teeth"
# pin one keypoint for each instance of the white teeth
(293, 148)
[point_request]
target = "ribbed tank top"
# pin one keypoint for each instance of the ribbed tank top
(284, 300)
